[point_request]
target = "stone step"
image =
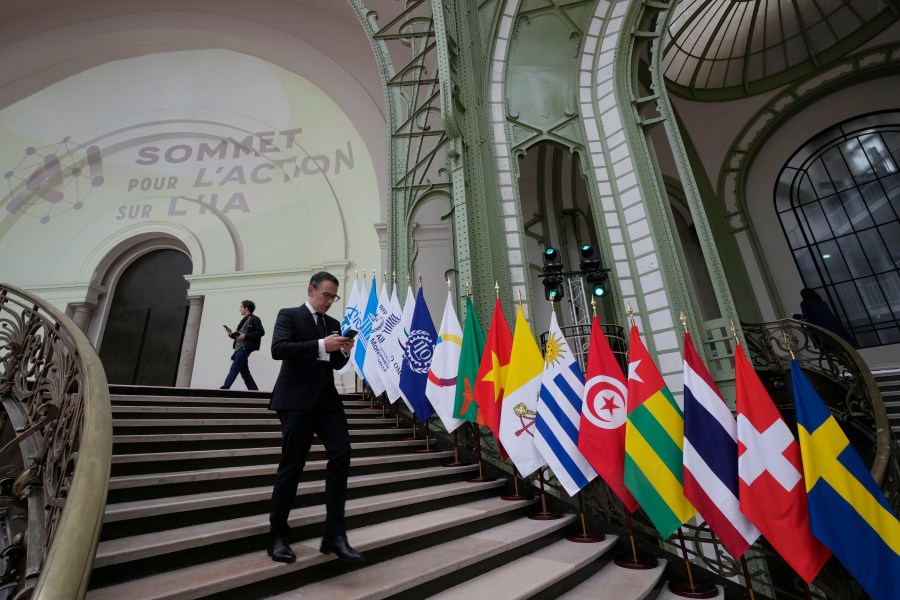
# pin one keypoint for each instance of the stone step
(199, 475)
(200, 455)
(188, 400)
(271, 422)
(231, 436)
(234, 572)
(448, 560)
(618, 582)
(139, 509)
(530, 574)
(120, 412)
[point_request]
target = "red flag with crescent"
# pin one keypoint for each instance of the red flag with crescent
(604, 410)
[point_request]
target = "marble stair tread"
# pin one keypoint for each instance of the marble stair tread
(667, 594)
(273, 422)
(123, 400)
(153, 479)
(219, 576)
(119, 459)
(528, 575)
(123, 550)
(121, 511)
(237, 435)
(618, 582)
(384, 579)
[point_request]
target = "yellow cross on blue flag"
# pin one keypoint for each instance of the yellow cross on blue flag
(847, 510)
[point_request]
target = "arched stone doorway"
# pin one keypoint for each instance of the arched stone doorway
(145, 325)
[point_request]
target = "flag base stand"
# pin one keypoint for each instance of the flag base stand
(686, 590)
(516, 495)
(480, 479)
(456, 462)
(545, 514)
(427, 449)
(586, 538)
(638, 563)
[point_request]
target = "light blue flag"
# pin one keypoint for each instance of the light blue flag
(365, 326)
(417, 359)
(559, 413)
(847, 510)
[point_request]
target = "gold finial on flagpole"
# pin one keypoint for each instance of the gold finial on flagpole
(683, 320)
(520, 297)
(408, 279)
(593, 306)
(394, 278)
(357, 273)
(631, 314)
(788, 345)
(420, 280)
(734, 333)
(468, 290)
(497, 289)
(384, 277)
(373, 273)
(448, 283)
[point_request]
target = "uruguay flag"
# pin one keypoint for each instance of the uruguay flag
(417, 357)
(559, 413)
(711, 457)
(847, 510)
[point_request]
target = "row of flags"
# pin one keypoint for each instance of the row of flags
(745, 474)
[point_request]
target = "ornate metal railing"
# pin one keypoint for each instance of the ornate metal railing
(56, 436)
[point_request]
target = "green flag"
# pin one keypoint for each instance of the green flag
(464, 406)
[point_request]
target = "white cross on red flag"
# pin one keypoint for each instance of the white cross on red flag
(772, 490)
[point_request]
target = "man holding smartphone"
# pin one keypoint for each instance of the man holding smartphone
(246, 340)
(310, 347)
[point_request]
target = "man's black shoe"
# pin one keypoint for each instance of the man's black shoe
(279, 550)
(341, 548)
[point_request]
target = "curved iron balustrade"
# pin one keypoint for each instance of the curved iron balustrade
(56, 427)
(857, 405)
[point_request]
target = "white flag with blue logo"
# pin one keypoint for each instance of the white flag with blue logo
(417, 359)
(351, 321)
(371, 367)
(397, 345)
(559, 413)
(365, 329)
(382, 344)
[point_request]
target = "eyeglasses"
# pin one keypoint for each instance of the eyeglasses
(329, 297)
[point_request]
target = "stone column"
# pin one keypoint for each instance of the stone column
(82, 315)
(189, 343)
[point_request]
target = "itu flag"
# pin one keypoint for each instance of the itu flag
(772, 491)
(491, 382)
(350, 321)
(417, 357)
(601, 437)
(464, 405)
(519, 409)
(367, 318)
(559, 413)
(379, 344)
(442, 376)
(711, 456)
(654, 436)
(847, 510)
(397, 344)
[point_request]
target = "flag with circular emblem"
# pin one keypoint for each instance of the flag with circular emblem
(441, 386)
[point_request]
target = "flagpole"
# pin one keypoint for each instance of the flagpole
(481, 476)
(544, 515)
(704, 590)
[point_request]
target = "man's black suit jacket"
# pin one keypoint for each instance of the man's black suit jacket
(303, 378)
(251, 336)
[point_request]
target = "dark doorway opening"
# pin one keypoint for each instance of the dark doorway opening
(142, 339)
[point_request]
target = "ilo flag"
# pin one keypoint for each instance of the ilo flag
(559, 413)
(365, 329)
(441, 386)
(711, 455)
(601, 437)
(491, 381)
(772, 491)
(519, 408)
(464, 405)
(847, 510)
(396, 346)
(417, 358)
(654, 435)
(352, 319)
(371, 367)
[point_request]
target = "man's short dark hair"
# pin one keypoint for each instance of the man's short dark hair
(249, 305)
(321, 276)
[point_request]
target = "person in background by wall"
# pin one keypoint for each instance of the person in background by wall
(816, 311)
(246, 339)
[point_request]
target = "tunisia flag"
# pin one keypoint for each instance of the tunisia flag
(601, 432)
(772, 490)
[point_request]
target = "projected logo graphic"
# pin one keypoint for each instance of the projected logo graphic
(53, 179)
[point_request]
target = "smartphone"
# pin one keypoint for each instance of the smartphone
(351, 333)
(225, 326)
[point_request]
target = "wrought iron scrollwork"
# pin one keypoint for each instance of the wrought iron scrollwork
(57, 430)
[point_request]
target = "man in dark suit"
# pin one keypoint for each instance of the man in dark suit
(310, 346)
(246, 340)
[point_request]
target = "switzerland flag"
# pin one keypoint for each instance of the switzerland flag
(772, 490)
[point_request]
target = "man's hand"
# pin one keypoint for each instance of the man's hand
(227, 330)
(335, 341)
(241, 336)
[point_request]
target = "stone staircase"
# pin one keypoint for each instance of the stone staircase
(187, 515)
(889, 385)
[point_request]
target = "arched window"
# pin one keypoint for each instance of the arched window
(838, 199)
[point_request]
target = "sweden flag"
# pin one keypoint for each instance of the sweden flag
(847, 510)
